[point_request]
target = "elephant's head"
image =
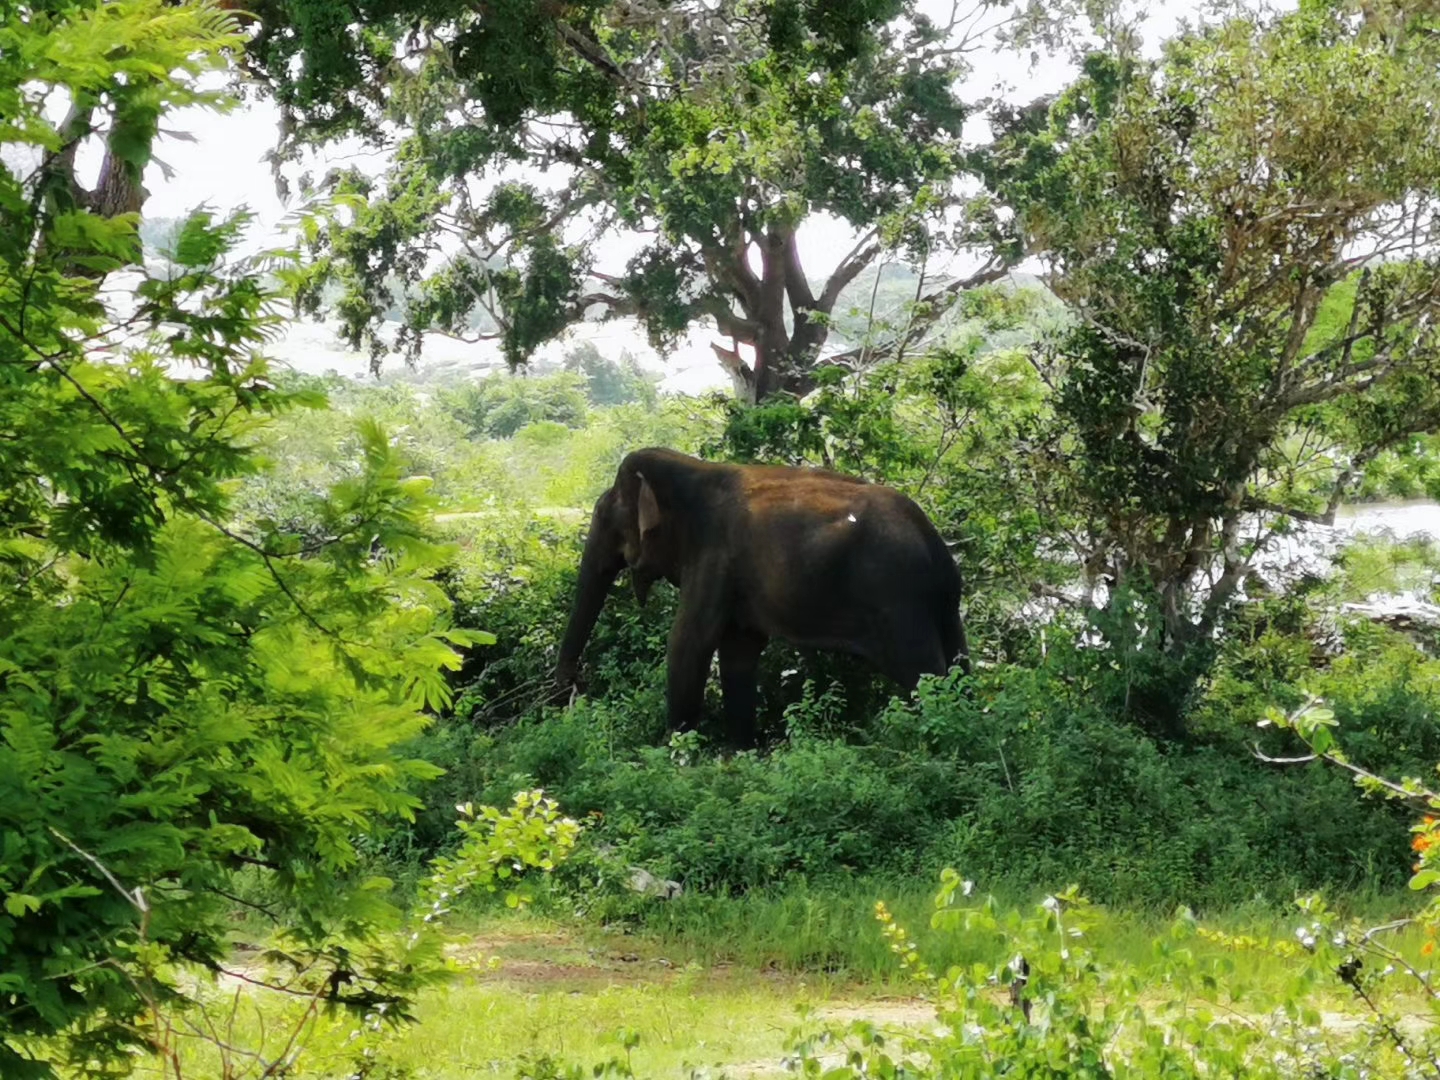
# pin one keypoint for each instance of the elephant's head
(627, 522)
(627, 530)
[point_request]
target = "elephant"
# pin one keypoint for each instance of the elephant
(814, 557)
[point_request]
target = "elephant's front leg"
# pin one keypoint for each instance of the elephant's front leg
(739, 669)
(693, 640)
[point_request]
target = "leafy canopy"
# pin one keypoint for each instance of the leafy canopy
(523, 133)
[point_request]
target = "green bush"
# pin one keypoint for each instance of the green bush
(1029, 778)
(1060, 790)
(1040, 1000)
(193, 698)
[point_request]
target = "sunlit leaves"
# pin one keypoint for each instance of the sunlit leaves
(181, 695)
(497, 845)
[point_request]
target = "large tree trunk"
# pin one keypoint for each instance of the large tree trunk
(118, 189)
(776, 310)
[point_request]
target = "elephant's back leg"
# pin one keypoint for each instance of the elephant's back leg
(907, 645)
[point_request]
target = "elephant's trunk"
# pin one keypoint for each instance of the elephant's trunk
(599, 566)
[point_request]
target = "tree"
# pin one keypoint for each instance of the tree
(712, 132)
(1244, 233)
(182, 700)
(611, 382)
(499, 406)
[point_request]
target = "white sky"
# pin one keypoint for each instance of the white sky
(223, 168)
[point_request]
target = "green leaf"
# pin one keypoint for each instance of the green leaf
(20, 904)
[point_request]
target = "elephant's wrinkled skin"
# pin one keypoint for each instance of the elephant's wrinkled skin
(816, 558)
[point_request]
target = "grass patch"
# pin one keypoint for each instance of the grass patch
(701, 982)
(831, 932)
(531, 991)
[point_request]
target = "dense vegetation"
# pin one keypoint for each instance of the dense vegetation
(1056, 770)
(262, 637)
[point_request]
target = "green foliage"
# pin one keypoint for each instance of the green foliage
(1409, 471)
(1049, 1005)
(611, 382)
(206, 1033)
(516, 511)
(1205, 386)
(1037, 777)
(498, 407)
(496, 846)
(228, 625)
(183, 697)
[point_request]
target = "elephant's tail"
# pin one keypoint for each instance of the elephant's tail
(952, 636)
(947, 594)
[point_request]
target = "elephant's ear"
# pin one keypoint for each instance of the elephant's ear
(649, 508)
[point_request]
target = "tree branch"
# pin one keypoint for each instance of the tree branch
(614, 305)
(1050, 592)
(468, 339)
(732, 268)
(797, 285)
(1263, 506)
(859, 257)
(730, 324)
(1421, 800)
(934, 305)
(1381, 365)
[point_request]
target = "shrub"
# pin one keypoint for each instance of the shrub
(1043, 1003)
(1028, 778)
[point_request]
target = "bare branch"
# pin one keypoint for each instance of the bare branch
(468, 339)
(1421, 800)
(932, 305)
(1050, 592)
(1381, 367)
(1264, 507)
(135, 897)
(614, 305)
(858, 257)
